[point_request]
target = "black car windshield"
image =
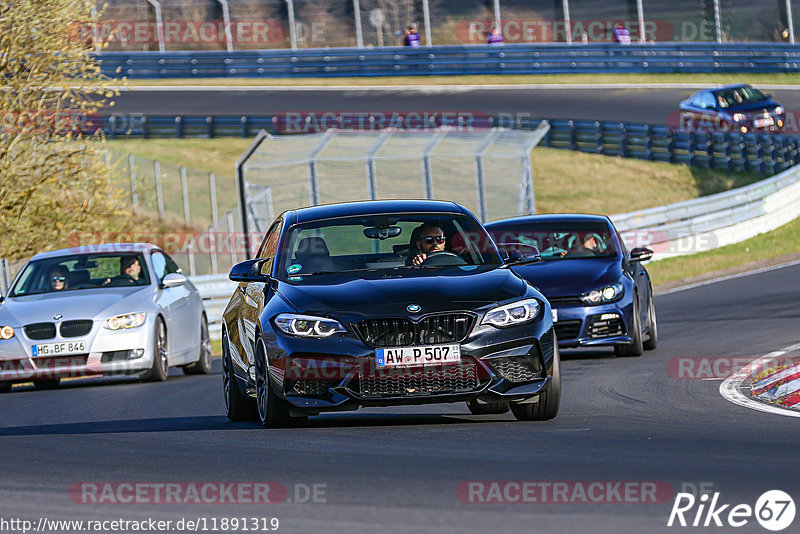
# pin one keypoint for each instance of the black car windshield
(385, 242)
(559, 240)
(737, 96)
(81, 271)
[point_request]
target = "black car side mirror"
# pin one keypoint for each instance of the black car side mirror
(641, 254)
(249, 271)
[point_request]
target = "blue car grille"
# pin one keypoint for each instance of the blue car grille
(402, 332)
(600, 328)
(570, 329)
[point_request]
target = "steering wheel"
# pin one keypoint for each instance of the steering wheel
(443, 257)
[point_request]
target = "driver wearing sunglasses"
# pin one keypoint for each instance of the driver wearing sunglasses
(431, 240)
(58, 279)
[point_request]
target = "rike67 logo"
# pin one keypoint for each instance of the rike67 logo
(774, 510)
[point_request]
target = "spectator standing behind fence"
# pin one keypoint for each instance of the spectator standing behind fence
(495, 37)
(411, 38)
(622, 35)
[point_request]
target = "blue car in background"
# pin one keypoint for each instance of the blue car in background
(600, 292)
(735, 108)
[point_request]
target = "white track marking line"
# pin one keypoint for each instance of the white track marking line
(729, 389)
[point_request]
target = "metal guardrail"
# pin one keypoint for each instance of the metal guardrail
(458, 60)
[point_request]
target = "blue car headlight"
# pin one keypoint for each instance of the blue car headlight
(604, 294)
(307, 325)
(513, 314)
(739, 117)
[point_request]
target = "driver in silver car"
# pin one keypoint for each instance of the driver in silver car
(431, 239)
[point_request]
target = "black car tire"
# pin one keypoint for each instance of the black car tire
(47, 383)
(635, 347)
(237, 406)
(160, 369)
(549, 400)
(273, 412)
(5, 387)
(652, 322)
(494, 407)
(203, 364)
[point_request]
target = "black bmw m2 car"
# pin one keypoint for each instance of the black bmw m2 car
(385, 303)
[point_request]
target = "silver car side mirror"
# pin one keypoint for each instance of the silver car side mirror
(173, 280)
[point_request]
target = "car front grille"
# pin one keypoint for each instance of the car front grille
(570, 329)
(310, 387)
(40, 331)
(463, 377)
(402, 332)
(600, 328)
(76, 328)
(555, 302)
(516, 368)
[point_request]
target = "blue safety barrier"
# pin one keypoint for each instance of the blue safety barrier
(757, 152)
(458, 60)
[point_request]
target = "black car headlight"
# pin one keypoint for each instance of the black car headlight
(603, 295)
(307, 325)
(513, 314)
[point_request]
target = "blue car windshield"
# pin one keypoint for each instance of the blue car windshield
(81, 271)
(559, 240)
(385, 242)
(738, 95)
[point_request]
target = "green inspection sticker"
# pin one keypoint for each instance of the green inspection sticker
(295, 278)
(294, 268)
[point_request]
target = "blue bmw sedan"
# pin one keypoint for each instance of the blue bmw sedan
(600, 292)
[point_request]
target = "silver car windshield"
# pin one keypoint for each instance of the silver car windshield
(81, 271)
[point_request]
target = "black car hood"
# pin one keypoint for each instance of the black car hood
(448, 289)
(570, 278)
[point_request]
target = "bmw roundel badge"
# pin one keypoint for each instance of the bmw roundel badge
(413, 308)
(57, 316)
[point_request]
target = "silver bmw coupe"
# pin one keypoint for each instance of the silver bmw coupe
(101, 310)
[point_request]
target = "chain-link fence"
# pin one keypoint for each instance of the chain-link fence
(137, 25)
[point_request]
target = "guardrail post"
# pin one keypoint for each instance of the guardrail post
(132, 173)
(4, 278)
(598, 137)
(231, 237)
(210, 126)
(212, 191)
(159, 190)
(623, 140)
(190, 251)
(179, 127)
(671, 146)
(113, 125)
(244, 120)
(690, 148)
(144, 127)
(212, 243)
(185, 191)
(573, 134)
(648, 149)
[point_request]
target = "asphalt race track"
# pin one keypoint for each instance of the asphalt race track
(633, 105)
(400, 469)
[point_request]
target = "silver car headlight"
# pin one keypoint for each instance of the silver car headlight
(122, 322)
(513, 314)
(603, 295)
(307, 325)
(6, 332)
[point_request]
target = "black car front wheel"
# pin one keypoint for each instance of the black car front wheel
(237, 406)
(652, 322)
(273, 412)
(635, 347)
(5, 387)
(47, 383)
(549, 400)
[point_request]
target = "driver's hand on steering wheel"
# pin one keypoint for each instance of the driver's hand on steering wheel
(418, 259)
